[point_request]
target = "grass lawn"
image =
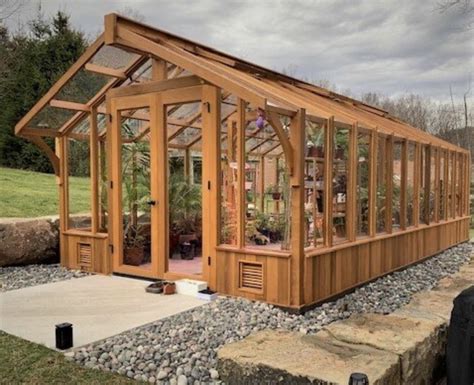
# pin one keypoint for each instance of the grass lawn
(471, 233)
(23, 362)
(34, 194)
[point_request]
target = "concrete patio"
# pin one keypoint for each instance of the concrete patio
(98, 306)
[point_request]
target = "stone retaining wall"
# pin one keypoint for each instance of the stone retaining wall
(404, 347)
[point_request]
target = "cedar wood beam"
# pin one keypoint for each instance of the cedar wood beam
(116, 34)
(40, 143)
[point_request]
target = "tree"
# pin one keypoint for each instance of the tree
(30, 64)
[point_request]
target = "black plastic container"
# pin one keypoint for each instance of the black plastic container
(64, 336)
(358, 379)
(460, 347)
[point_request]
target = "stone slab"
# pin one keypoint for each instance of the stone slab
(419, 342)
(98, 306)
(294, 358)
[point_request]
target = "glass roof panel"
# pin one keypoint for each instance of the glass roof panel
(186, 110)
(186, 136)
(132, 127)
(113, 57)
(82, 87)
(83, 127)
(51, 118)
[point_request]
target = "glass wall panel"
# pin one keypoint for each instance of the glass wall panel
(229, 184)
(410, 183)
(459, 174)
(423, 197)
(314, 184)
(185, 212)
(362, 182)
(79, 184)
(381, 198)
(135, 193)
(267, 197)
(340, 177)
(450, 185)
(397, 184)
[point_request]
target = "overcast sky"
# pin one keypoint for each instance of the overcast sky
(389, 46)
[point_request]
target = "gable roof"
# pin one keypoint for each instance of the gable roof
(260, 86)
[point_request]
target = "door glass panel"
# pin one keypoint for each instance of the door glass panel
(184, 192)
(136, 203)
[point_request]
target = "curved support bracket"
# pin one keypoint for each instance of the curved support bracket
(39, 142)
(274, 120)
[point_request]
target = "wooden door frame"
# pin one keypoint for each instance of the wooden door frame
(157, 102)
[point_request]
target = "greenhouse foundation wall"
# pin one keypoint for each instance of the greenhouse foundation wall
(330, 273)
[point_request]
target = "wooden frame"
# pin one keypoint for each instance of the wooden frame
(234, 92)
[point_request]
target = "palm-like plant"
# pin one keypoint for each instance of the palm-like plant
(185, 209)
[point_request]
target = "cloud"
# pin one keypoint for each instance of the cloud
(390, 46)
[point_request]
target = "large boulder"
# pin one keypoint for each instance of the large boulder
(27, 241)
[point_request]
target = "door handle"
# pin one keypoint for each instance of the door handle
(151, 203)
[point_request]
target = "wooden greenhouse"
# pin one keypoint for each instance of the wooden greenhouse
(207, 166)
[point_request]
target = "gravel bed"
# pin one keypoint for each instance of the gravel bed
(18, 277)
(182, 349)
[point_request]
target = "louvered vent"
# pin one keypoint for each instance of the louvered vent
(84, 255)
(251, 275)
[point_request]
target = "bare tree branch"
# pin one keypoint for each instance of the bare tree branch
(9, 7)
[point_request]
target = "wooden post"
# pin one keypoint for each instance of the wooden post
(297, 140)
(328, 175)
(416, 185)
(114, 141)
(261, 183)
(188, 165)
(373, 183)
(445, 172)
(452, 207)
(158, 69)
(403, 185)
(351, 192)
(241, 198)
(468, 186)
(389, 184)
(460, 184)
(159, 184)
(61, 180)
(94, 171)
(211, 125)
(463, 183)
(437, 184)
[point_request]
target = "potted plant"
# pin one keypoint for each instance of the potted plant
(340, 227)
(275, 191)
(341, 142)
(134, 245)
(315, 142)
(276, 228)
(184, 213)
